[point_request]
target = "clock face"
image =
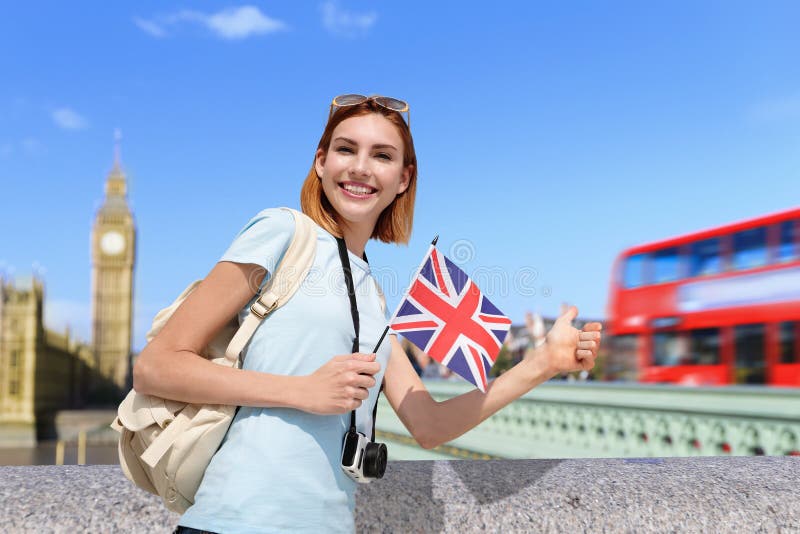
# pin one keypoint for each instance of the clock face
(112, 243)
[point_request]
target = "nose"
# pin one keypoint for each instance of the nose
(360, 166)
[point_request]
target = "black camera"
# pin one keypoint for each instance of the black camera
(362, 459)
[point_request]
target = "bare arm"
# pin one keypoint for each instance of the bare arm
(432, 423)
(170, 365)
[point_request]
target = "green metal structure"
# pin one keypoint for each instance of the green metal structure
(595, 420)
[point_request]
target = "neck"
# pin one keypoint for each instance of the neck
(355, 237)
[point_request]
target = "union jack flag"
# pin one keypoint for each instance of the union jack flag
(446, 316)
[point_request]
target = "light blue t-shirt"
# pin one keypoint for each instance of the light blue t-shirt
(279, 469)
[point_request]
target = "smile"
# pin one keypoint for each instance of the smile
(357, 190)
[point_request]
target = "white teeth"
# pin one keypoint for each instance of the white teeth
(357, 190)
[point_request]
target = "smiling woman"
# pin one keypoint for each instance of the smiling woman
(307, 384)
(362, 145)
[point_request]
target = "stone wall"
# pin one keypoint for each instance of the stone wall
(612, 495)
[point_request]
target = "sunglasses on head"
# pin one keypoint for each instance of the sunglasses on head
(395, 104)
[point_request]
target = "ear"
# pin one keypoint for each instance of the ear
(405, 179)
(319, 161)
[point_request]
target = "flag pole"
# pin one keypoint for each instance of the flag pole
(385, 331)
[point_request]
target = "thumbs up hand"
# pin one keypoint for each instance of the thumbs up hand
(570, 349)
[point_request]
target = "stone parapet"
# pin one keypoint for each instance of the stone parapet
(599, 420)
(735, 494)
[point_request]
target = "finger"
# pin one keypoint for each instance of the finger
(583, 353)
(587, 336)
(365, 368)
(364, 381)
(361, 394)
(363, 357)
(569, 315)
(592, 327)
(588, 345)
(354, 392)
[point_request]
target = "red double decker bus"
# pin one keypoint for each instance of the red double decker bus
(721, 306)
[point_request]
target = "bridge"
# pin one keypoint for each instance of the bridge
(567, 420)
(606, 420)
(570, 420)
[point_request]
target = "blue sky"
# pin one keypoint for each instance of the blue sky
(550, 136)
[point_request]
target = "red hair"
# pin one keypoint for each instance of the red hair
(395, 222)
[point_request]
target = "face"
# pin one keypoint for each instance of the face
(362, 172)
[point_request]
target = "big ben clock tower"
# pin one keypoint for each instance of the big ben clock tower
(113, 256)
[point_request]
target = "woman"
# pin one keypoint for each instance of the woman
(278, 468)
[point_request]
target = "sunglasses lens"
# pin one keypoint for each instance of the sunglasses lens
(395, 104)
(349, 100)
(392, 103)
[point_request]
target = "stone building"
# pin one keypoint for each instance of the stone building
(41, 371)
(113, 248)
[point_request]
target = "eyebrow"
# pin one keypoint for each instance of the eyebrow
(350, 141)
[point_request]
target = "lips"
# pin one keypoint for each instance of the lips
(357, 190)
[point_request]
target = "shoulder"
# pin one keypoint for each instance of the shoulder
(274, 219)
(271, 224)
(263, 239)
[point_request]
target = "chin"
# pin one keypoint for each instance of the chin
(359, 214)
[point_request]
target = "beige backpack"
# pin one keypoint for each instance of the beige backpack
(166, 445)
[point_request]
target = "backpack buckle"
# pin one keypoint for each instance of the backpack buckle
(260, 310)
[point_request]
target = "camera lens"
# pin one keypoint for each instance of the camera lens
(375, 460)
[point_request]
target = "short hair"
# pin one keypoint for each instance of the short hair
(395, 222)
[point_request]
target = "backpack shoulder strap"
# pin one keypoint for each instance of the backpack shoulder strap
(283, 283)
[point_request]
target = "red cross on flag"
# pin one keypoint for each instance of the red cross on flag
(447, 316)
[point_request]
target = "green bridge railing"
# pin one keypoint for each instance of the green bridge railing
(595, 420)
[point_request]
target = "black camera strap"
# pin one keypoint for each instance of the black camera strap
(351, 292)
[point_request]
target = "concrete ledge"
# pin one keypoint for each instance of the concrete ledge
(631, 495)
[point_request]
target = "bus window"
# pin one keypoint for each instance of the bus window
(633, 274)
(789, 235)
(706, 257)
(622, 362)
(667, 349)
(788, 340)
(666, 265)
(750, 248)
(704, 346)
(749, 346)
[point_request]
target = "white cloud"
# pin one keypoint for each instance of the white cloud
(344, 23)
(777, 109)
(69, 119)
(231, 23)
(150, 27)
(238, 23)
